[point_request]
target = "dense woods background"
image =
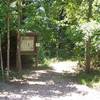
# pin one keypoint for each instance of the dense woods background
(67, 29)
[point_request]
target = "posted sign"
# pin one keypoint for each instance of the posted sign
(27, 44)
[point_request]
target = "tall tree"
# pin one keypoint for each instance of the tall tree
(88, 40)
(1, 58)
(19, 66)
(8, 38)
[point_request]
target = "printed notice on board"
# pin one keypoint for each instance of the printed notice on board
(27, 43)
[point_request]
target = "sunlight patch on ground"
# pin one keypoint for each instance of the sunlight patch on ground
(16, 80)
(9, 96)
(34, 75)
(36, 83)
(64, 66)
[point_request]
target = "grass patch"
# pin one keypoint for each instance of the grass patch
(88, 79)
(2, 77)
(44, 65)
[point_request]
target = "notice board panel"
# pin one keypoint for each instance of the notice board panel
(27, 44)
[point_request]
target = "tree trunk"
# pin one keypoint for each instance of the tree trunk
(1, 59)
(19, 66)
(61, 17)
(88, 55)
(8, 40)
(88, 41)
(89, 15)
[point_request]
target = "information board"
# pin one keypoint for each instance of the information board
(27, 44)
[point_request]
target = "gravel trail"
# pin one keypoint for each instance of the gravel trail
(46, 85)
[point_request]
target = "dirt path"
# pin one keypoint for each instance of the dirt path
(46, 85)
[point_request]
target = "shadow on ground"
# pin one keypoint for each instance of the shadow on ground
(41, 83)
(48, 82)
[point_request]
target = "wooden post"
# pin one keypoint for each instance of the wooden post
(35, 51)
(36, 59)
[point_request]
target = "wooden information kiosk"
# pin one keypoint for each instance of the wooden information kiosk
(28, 45)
